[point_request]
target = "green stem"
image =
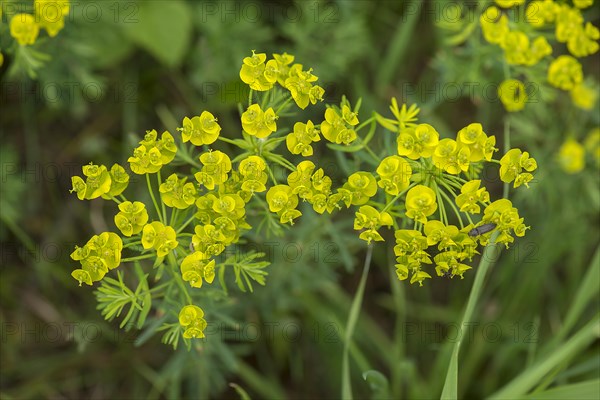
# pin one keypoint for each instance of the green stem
(506, 149)
(153, 198)
(162, 203)
(226, 140)
(352, 319)
(174, 215)
(391, 203)
(250, 98)
(488, 259)
(132, 244)
(136, 258)
(285, 103)
(186, 223)
(178, 278)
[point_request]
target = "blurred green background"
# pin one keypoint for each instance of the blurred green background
(120, 68)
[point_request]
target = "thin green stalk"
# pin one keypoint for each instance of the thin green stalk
(162, 203)
(525, 381)
(186, 223)
(391, 202)
(285, 103)
(506, 149)
(488, 258)
(136, 258)
(132, 244)
(352, 319)
(153, 198)
(174, 215)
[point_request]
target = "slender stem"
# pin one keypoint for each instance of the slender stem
(443, 215)
(115, 200)
(506, 149)
(186, 223)
(285, 103)
(365, 123)
(226, 140)
(178, 278)
(250, 98)
(352, 319)
(391, 203)
(162, 203)
(132, 244)
(174, 215)
(488, 258)
(153, 198)
(123, 197)
(145, 256)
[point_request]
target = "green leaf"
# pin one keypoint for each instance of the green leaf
(243, 394)
(378, 383)
(583, 390)
(163, 28)
(247, 270)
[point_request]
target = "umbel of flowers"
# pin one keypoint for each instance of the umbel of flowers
(425, 192)
(548, 25)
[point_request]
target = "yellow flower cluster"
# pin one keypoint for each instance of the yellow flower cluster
(262, 75)
(48, 14)
(522, 47)
(99, 255)
(99, 181)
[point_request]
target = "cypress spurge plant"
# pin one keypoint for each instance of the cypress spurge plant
(427, 189)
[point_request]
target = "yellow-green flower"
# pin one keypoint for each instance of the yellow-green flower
(281, 197)
(451, 157)
(571, 156)
(470, 195)
(512, 95)
(209, 240)
(509, 3)
(440, 234)
(131, 217)
(196, 267)
(299, 83)
(480, 145)
(419, 141)
(513, 163)
(339, 128)
(584, 41)
(200, 130)
(583, 3)
(159, 237)
(394, 174)
(584, 97)
(51, 14)
(152, 154)
(98, 182)
(176, 193)
(257, 74)
(362, 186)
(300, 140)
(370, 219)
(259, 123)
(119, 181)
(192, 319)
(565, 73)
(99, 255)
(420, 203)
(216, 166)
(540, 13)
(24, 29)
(494, 25)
